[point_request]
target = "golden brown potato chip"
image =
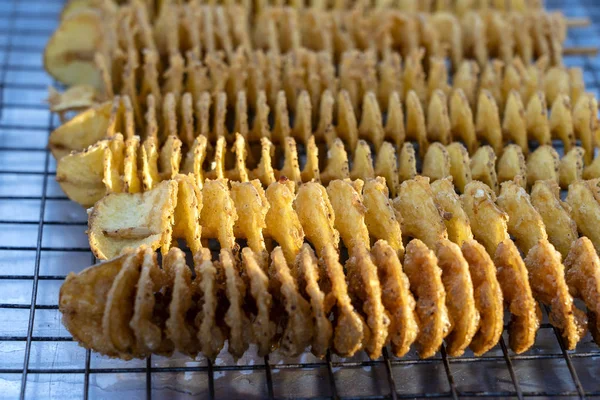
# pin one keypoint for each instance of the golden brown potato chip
(131, 179)
(487, 122)
(381, 218)
(511, 165)
(461, 118)
(514, 124)
(583, 277)
(570, 168)
(218, 214)
(438, 120)
(252, 206)
(436, 164)
(346, 201)
(124, 220)
(386, 166)
(536, 114)
(488, 297)
(187, 212)
(420, 217)
(464, 317)
(75, 98)
(425, 277)
(460, 165)
(585, 209)
(415, 121)
(525, 224)
(542, 164)
(456, 220)
(514, 282)
(488, 222)
(483, 167)
(362, 163)
(407, 168)
(561, 121)
(547, 278)
(585, 124)
(337, 163)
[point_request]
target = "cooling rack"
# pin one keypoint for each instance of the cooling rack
(42, 239)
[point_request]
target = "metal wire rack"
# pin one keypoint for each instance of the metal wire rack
(42, 239)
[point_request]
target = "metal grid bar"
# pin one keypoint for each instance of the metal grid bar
(342, 378)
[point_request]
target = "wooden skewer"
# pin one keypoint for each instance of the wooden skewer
(580, 51)
(578, 22)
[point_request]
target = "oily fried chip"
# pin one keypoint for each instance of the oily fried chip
(488, 297)
(547, 278)
(561, 121)
(381, 218)
(460, 165)
(210, 335)
(514, 124)
(282, 223)
(122, 220)
(362, 163)
(464, 317)
(407, 168)
(556, 214)
(511, 165)
(346, 201)
(436, 164)
(316, 216)
(488, 222)
(514, 282)
(75, 98)
(235, 317)
(298, 329)
(396, 297)
(585, 209)
(425, 277)
(263, 328)
(308, 282)
(364, 287)
(420, 217)
(487, 122)
(252, 207)
(483, 167)
(456, 220)
(525, 224)
(570, 168)
(542, 164)
(82, 302)
(218, 214)
(348, 327)
(461, 118)
(148, 317)
(536, 115)
(131, 179)
(583, 277)
(585, 124)
(187, 212)
(386, 166)
(119, 307)
(81, 175)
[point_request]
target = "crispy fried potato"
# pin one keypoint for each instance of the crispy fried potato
(380, 218)
(583, 278)
(75, 98)
(461, 118)
(420, 217)
(514, 282)
(488, 222)
(547, 278)
(252, 207)
(218, 214)
(460, 165)
(396, 297)
(187, 212)
(124, 220)
(298, 329)
(514, 125)
(488, 297)
(425, 277)
(456, 220)
(464, 317)
(407, 168)
(542, 165)
(556, 214)
(346, 201)
(525, 224)
(483, 167)
(436, 164)
(487, 123)
(511, 165)
(570, 168)
(131, 179)
(585, 209)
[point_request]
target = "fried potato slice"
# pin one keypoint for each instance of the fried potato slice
(425, 277)
(364, 287)
(81, 175)
(282, 222)
(488, 222)
(263, 329)
(187, 212)
(542, 164)
(308, 281)
(346, 200)
(460, 165)
(348, 329)
(380, 217)
(436, 164)
(464, 317)
(456, 220)
(525, 224)
(488, 297)
(570, 168)
(180, 325)
(511, 165)
(483, 167)
(316, 216)
(131, 178)
(396, 297)
(80, 97)
(235, 318)
(218, 214)
(82, 302)
(420, 217)
(556, 214)
(119, 307)
(407, 168)
(210, 335)
(461, 118)
(583, 278)
(585, 209)
(122, 220)
(547, 278)
(298, 329)
(252, 206)
(514, 282)
(487, 122)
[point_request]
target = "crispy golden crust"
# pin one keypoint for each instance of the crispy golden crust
(585, 209)
(514, 282)
(346, 203)
(316, 216)
(455, 218)
(252, 207)
(235, 318)
(463, 315)
(218, 215)
(547, 277)
(380, 218)
(425, 277)
(488, 297)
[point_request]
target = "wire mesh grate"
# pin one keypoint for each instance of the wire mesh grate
(42, 238)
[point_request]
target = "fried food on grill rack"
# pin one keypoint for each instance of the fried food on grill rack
(448, 202)
(584, 199)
